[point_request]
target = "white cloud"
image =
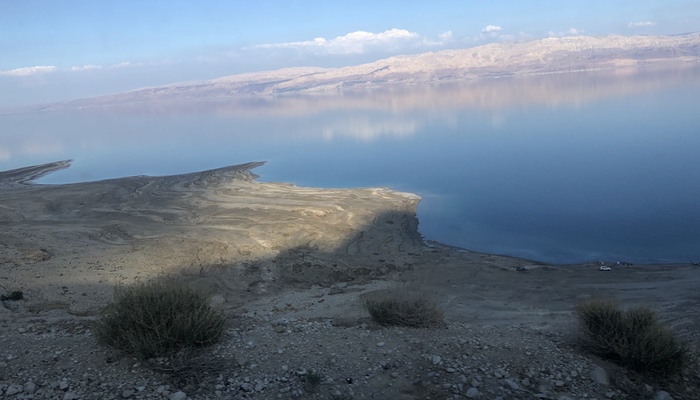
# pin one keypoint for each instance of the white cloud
(491, 31)
(568, 32)
(122, 64)
(446, 37)
(88, 67)
(638, 24)
(26, 71)
(353, 43)
(443, 39)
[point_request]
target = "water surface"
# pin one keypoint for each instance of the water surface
(560, 168)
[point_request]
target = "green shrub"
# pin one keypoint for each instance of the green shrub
(634, 338)
(159, 318)
(403, 309)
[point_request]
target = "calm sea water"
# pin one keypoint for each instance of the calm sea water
(561, 168)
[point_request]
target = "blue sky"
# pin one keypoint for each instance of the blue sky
(59, 50)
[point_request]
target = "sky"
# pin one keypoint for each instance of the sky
(61, 50)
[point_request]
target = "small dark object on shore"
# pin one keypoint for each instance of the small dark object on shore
(697, 264)
(14, 296)
(625, 263)
(521, 269)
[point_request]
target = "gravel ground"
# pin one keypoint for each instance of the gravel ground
(55, 356)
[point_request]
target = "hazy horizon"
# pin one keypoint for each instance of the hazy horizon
(68, 50)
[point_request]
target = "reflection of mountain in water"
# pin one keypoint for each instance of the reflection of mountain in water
(553, 90)
(470, 70)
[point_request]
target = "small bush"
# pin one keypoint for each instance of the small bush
(159, 319)
(403, 309)
(634, 338)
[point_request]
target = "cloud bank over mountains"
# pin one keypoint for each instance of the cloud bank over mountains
(54, 82)
(639, 24)
(354, 43)
(393, 41)
(491, 28)
(27, 71)
(44, 69)
(357, 42)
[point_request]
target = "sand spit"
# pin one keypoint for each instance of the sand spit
(72, 243)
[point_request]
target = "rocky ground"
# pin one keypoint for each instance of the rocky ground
(265, 356)
(289, 268)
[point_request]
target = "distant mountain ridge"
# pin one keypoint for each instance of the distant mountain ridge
(542, 56)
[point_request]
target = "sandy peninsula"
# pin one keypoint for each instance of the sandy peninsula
(277, 251)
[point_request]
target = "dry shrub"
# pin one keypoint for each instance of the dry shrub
(403, 308)
(635, 338)
(159, 319)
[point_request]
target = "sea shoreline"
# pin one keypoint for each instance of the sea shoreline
(27, 177)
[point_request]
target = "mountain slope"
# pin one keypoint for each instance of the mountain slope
(550, 55)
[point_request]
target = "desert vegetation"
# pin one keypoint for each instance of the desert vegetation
(168, 324)
(634, 338)
(159, 318)
(403, 308)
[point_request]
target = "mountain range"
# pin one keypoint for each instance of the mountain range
(496, 60)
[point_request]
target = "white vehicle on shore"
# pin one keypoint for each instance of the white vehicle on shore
(604, 268)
